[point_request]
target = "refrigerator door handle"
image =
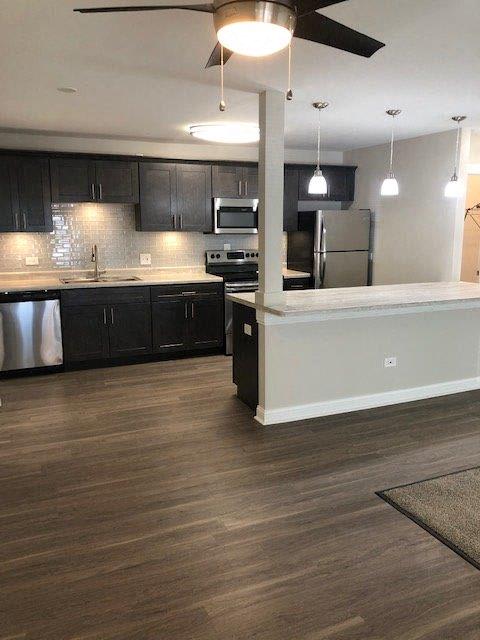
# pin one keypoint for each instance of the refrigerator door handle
(317, 270)
(323, 266)
(318, 240)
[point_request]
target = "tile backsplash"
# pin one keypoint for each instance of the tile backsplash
(112, 227)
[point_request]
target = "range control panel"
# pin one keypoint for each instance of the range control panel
(232, 257)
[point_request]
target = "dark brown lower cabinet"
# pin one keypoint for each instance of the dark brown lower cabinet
(130, 330)
(169, 322)
(187, 317)
(102, 323)
(205, 328)
(85, 333)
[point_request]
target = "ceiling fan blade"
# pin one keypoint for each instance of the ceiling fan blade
(308, 6)
(215, 56)
(205, 8)
(318, 28)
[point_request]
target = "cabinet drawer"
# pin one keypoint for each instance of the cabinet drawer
(105, 295)
(208, 289)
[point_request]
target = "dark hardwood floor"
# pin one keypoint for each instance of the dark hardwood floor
(144, 503)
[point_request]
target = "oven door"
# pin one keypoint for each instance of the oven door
(234, 287)
(235, 216)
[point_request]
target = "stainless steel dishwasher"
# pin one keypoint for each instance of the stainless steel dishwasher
(30, 330)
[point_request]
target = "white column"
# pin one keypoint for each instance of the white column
(270, 218)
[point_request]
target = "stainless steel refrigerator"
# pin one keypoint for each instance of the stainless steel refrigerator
(335, 246)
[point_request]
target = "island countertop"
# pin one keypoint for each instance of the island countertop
(352, 301)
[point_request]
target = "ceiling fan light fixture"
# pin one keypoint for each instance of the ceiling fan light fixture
(226, 132)
(254, 28)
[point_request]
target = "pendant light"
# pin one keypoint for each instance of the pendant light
(390, 184)
(453, 187)
(318, 184)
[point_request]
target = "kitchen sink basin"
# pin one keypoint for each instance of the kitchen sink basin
(100, 279)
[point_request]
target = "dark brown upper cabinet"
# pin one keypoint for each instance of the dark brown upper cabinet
(84, 180)
(340, 182)
(174, 197)
(9, 205)
(194, 197)
(25, 194)
(290, 200)
(234, 181)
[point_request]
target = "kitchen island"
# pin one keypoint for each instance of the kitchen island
(336, 350)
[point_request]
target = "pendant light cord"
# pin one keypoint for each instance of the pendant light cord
(318, 142)
(391, 145)
(457, 149)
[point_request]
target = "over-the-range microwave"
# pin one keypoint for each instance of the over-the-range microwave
(232, 215)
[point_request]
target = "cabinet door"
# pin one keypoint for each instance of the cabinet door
(116, 181)
(250, 182)
(157, 208)
(194, 204)
(34, 194)
(227, 181)
(290, 200)
(130, 329)
(85, 333)
(336, 178)
(205, 326)
(169, 324)
(72, 180)
(9, 212)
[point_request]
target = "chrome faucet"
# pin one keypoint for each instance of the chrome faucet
(94, 259)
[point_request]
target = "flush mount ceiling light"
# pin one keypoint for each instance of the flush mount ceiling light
(228, 132)
(453, 188)
(390, 184)
(318, 184)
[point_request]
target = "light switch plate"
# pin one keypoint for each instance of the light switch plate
(145, 259)
(247, 329)
(31, 261)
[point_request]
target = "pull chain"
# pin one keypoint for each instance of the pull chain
(289, 94)
(222, 105)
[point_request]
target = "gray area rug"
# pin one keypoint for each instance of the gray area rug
(448, 507)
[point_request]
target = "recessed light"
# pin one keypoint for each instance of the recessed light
(67, 89)
(228, 132)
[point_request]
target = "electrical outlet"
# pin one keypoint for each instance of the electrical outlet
(31, 261)
(145, 259)
(227, 246)
(247, 329)
(390, 362)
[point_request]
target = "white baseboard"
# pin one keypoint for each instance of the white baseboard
(357, 403)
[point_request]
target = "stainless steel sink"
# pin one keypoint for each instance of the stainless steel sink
(92, 280)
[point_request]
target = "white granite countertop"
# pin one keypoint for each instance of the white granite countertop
(347, 302)
(51, 280)
(48, 280)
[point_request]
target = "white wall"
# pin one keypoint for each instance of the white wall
(194, 151)
(418, 235)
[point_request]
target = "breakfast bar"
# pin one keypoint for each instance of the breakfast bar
(338, 350)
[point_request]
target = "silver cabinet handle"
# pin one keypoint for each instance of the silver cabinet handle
(180, 218)
(174, 226)
(92, 189)
(246, 187)
(186, 310)
(104, 316)
(189, 293)
(24, 216)
(111, 316)
(100, 191)
(240, 188)
(193, 310)
(296, 286)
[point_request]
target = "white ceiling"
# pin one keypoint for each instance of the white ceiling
(142, 76)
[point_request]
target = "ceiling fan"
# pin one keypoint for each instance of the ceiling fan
(263, 27)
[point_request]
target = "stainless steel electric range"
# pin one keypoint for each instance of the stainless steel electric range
(239, 270)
